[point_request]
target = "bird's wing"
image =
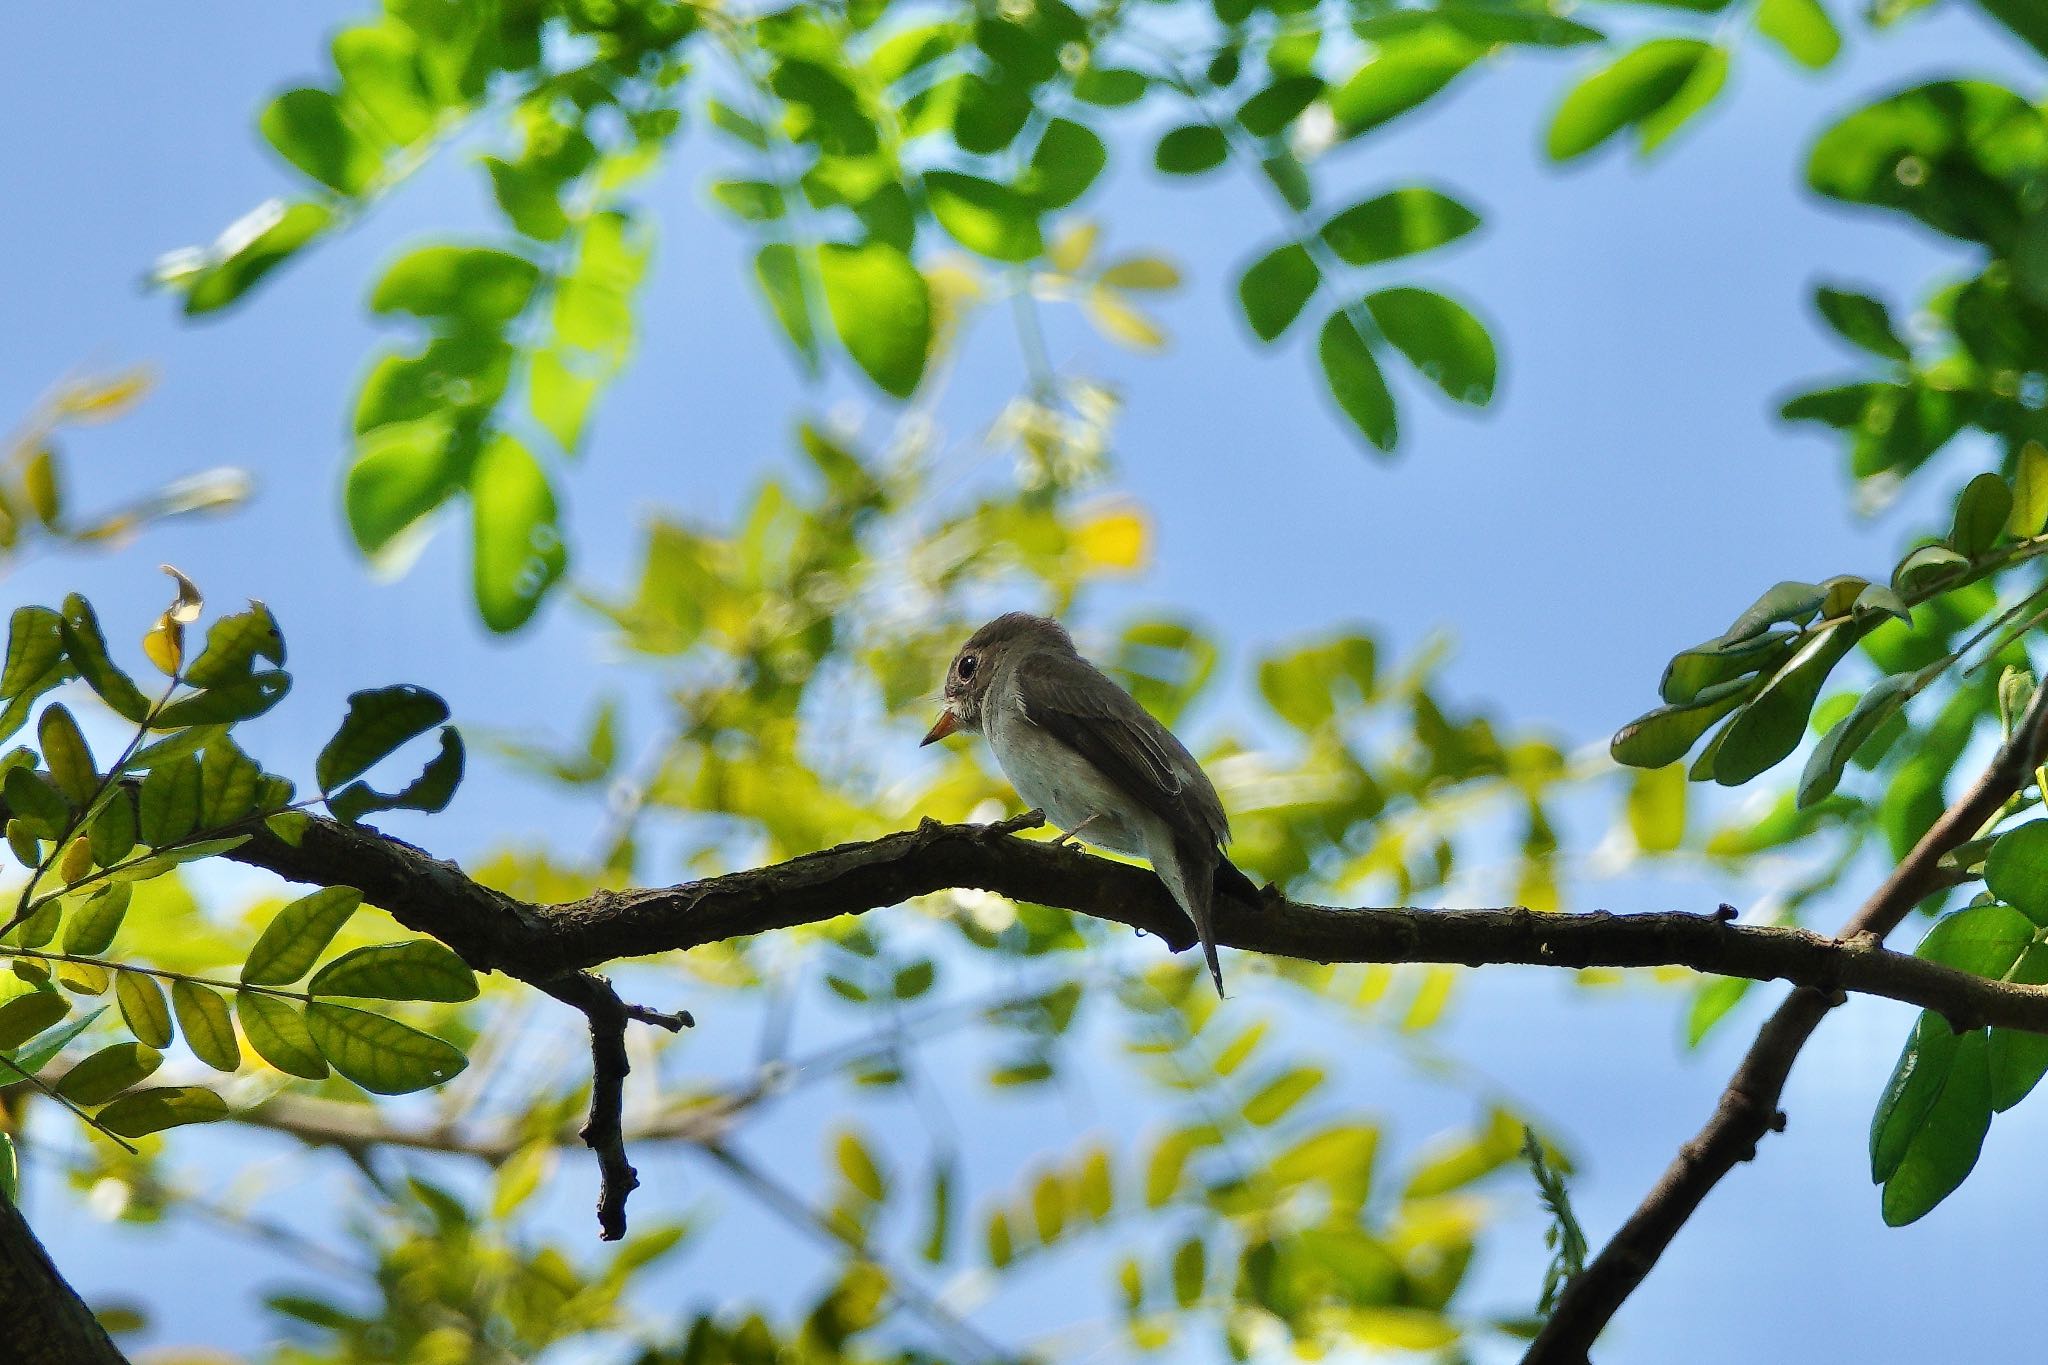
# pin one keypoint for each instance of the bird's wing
(1071, 700)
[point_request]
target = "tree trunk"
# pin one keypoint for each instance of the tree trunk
(43, 1321)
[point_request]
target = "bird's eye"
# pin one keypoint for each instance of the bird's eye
(966, 665)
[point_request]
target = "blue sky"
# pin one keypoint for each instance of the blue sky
(1626, 494)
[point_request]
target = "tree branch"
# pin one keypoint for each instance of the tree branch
(1748, 1107)
(46, 1323)
(538, 943)
(552, 947)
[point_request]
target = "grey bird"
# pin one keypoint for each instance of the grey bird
(1081, 749)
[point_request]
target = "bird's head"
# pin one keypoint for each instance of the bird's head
(983, 658)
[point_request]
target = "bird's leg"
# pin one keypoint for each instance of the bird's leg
(1061, 842)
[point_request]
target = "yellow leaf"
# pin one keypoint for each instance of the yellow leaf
(185, 609)
(1142, 272)
(1414, 1329)
(39, 483)
(2030, 492)
(1119, 321)
(1070, 250)
(77, 860)
(165, 645)
(97, 400)
(1431, 995)
(84, 978)
(1116, 540)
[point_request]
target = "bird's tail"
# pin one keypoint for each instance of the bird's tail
(1197, 897)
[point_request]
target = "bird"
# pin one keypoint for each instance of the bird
(1083, 750)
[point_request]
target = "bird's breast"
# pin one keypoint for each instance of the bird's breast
(1067, 787)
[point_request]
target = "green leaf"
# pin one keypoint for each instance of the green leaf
(90, 928)
(112, 833)
(756, 201)
(1190, 150)
(1401, 222)
(1111, 87)
(293, 941)
(378, 722)
(1984, 940)
(380, 71)
(35, 645)
(24, 1016)
(421, 969)
(1775, 721)
(1665, 735)
(1356, 382)
(143, 1008)
(233, 644)
(779, 272)
(230, 784)
(1930, 1123)
(430, 791)
(310, 129)
(379, 1054)
(88, 650)
(988, 218)
(1277, 1096)
(1699, 90)
(248, 250)
(108, 1072)
(141, 1112)
(1190, 1271)
(169, 803)
(1441, 339)
(68, 758)
(1401, 74)
(1271, 110)
(2016, 870)
(882, 310)
(203, 1019)
(1885, 699)
(1861, 320)
(1948, 134)
(278, 1034)
(402, 471)
(1625, 93)
(35, 802)
(1802, 29)
(241, 699)
(1927, 566)
(519, 551)
(1981, 512)
(480, 286)
(1276, 288)
(1067, 160)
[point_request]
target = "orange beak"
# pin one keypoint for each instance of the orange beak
(945, 725)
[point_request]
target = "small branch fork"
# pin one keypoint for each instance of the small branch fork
(554, 947)
(604, 1131)
(1748, 1107)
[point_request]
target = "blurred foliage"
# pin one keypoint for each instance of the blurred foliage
(871, 145)
(896, 169)
(39, 481)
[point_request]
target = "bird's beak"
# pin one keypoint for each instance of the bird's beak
(945, 725)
